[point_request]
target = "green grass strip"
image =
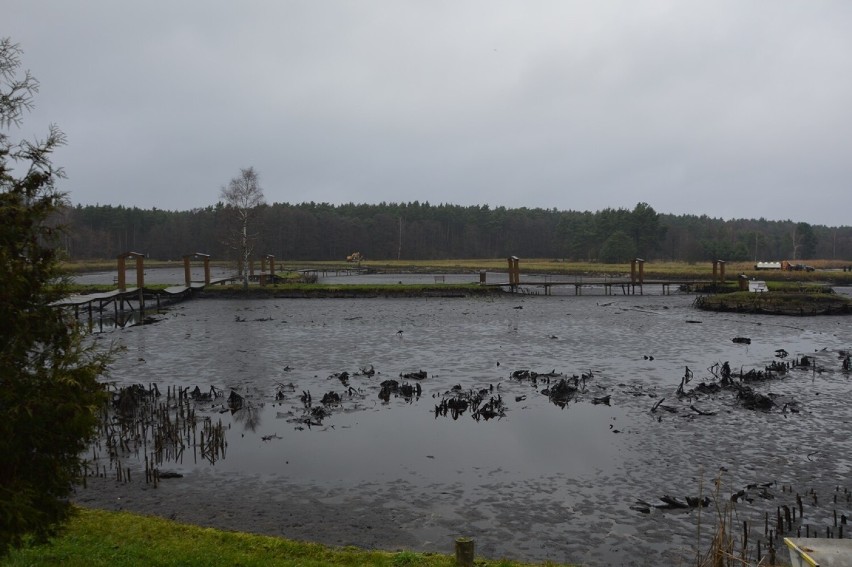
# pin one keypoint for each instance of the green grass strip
(103, 538)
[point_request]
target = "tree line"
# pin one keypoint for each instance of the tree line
(422, 231)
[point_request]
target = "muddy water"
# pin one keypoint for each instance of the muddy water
(543, 481)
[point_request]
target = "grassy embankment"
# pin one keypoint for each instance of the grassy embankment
(101, 538)
(830, 270)
(789, 290)
(297, 290)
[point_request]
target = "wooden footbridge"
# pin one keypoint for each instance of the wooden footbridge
(130, 303)
(610, 286)
(633, 285)
(123, 306)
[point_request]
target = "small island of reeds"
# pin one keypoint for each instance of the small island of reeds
(779, 299)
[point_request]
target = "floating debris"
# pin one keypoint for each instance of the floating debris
(342, 376)
(562, 392)
(367, 371)
(456, 402)
(388, 387)
(419, 375)
(199, 396)
(282, 390)
(235, 401)
(753, 400)
(330, 398)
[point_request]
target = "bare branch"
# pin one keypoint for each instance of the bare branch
(243, 196)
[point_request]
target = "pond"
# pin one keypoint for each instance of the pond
(571, 479)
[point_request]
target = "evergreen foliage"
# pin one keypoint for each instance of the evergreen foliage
(618, 249)
(422, 231)
(49, 389)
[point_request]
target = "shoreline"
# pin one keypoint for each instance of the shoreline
(333, 292)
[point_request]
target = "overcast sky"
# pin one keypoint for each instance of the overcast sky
(733, 109)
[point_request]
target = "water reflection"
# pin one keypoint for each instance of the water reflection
(249, 416)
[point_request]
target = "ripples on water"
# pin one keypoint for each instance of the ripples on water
(542, 482)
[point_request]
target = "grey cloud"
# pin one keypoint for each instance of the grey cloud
(731, 109)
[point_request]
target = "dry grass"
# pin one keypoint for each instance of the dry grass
(728, 547)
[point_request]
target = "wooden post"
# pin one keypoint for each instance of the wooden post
(637, 274)
(464, 552)
(514, 271)
(186, 273)
(187, 258)
(206, 269)
(122, 285)
(140, 270)
(271, 267)
(718, 271)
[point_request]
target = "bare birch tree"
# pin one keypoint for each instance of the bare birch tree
(243, 196)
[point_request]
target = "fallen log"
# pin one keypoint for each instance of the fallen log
(700, 412)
